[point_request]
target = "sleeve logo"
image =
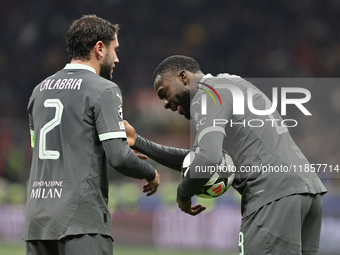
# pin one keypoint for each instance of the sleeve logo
(121, 125)
(120, 111)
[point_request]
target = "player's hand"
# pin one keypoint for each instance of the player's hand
(130, 133)
(151, 187)
(186, 207)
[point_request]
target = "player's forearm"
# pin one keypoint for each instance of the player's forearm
(168, 156)
(125, 161)
(209, 154)
(195, 180)
(189, 187)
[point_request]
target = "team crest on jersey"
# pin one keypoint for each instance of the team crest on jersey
(120, 111)
(200, 123)
(196, 116)
(197, 126)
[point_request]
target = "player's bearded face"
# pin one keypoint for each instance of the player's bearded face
(106, 67)
(184, 101)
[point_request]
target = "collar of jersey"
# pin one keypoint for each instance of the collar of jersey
(205, 77)
(79, 66)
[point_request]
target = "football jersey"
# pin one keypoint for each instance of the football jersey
(70, 113)
(253, 141)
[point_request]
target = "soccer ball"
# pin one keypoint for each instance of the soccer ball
(216, 186)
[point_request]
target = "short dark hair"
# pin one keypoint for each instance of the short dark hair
(176, 63)
(85, 32)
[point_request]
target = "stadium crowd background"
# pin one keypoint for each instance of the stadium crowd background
(264, 39)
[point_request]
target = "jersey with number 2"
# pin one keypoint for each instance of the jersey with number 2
(70, 113)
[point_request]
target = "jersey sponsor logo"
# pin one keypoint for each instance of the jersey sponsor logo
(46, 193)
(120, 111)
(46, 189)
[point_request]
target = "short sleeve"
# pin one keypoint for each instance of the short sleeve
(30, 121)
(109, 115)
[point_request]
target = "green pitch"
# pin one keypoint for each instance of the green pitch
(19, 249)
(12, 248)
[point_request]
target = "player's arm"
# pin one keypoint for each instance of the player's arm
(30, 122)
(111, 132)
(126, 162)
(209, 139)
(210, 154)
(168, 156)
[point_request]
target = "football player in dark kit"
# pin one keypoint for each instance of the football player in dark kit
(75, 119)
(281, 211)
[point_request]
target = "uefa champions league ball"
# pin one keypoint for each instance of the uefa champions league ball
(216, 186)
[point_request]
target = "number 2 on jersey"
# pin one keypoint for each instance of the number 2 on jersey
(43, 153)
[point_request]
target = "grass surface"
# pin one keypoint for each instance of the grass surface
(19, 249)
(12, 248)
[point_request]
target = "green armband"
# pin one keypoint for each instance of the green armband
(32, 138)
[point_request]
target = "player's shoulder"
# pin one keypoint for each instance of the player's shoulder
(103, 85)
(229, 83)
(37, 88)
(90, 79)
(103, 90)
(106, 83)
(224, 78)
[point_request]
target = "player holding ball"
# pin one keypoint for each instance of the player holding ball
(281, 211)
